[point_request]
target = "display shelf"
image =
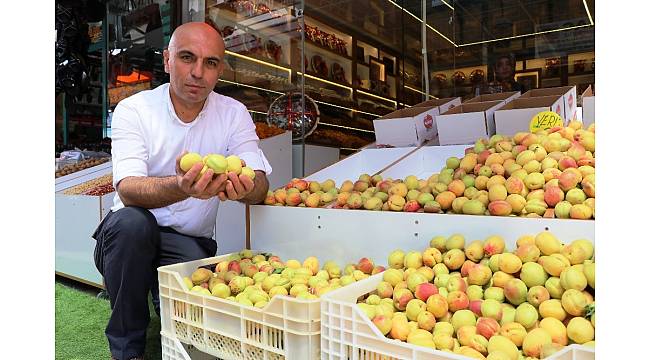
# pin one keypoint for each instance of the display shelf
(326, 81)
(329, 51)
(260, 60)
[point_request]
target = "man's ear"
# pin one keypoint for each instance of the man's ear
(166, 60)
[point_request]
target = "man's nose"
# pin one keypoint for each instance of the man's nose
(197, 70)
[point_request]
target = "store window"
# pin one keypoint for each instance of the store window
(106, 51)
(323, 70)
(364, 59)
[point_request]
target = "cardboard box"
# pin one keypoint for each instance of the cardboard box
(515, 116)
(588, 107)
(568, 107)
(443, 104)
(467, 123)
(504, 96)
(406, 127)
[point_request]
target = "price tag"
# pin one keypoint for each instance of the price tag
(545, 120)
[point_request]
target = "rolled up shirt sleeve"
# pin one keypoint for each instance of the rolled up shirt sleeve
(129, 152)
(244, 143)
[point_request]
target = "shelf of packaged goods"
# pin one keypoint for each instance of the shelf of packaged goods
(330, 51)
(268, 24)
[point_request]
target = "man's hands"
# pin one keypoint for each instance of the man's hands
(227, 186)
(237, 187)
(205, 187)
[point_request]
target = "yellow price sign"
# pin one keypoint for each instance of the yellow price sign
(545, 120)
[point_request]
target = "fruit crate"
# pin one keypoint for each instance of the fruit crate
(172, 349)
(287, 328)
(347, 333)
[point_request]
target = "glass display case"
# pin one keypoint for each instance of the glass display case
(334, 67)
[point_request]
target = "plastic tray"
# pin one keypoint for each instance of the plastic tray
(287, 328)
(347, 333)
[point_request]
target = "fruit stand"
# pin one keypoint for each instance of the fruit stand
(515, 270)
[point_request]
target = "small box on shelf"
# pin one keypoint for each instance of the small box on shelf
(467, 123)
(406, 127)
(568, 106)
(515, 116)
(443, 104)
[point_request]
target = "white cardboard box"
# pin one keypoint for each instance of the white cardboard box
(504, 96)
(443, 104)
(411, 126)
(569, 106)
(588, 107)
(515, 116)
(468, 122)
(406, 127)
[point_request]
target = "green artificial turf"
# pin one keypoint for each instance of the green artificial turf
(80, 322)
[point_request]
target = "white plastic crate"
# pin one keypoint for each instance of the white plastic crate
(347, 333)
(172, 349)
(287, 328)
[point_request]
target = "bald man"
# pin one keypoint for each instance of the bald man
(162, 215)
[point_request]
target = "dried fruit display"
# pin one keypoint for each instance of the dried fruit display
(264, 130)
(480, 300)
(253, 280)
(100, 190)
(81, 165)
(83, 188)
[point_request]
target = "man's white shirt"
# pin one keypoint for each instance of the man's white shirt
(147, 137)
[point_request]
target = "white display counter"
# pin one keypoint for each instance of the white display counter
(76, 218)
(316, 158)
(348, 235)
(230, 230)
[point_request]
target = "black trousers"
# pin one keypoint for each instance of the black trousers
(130, 247)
